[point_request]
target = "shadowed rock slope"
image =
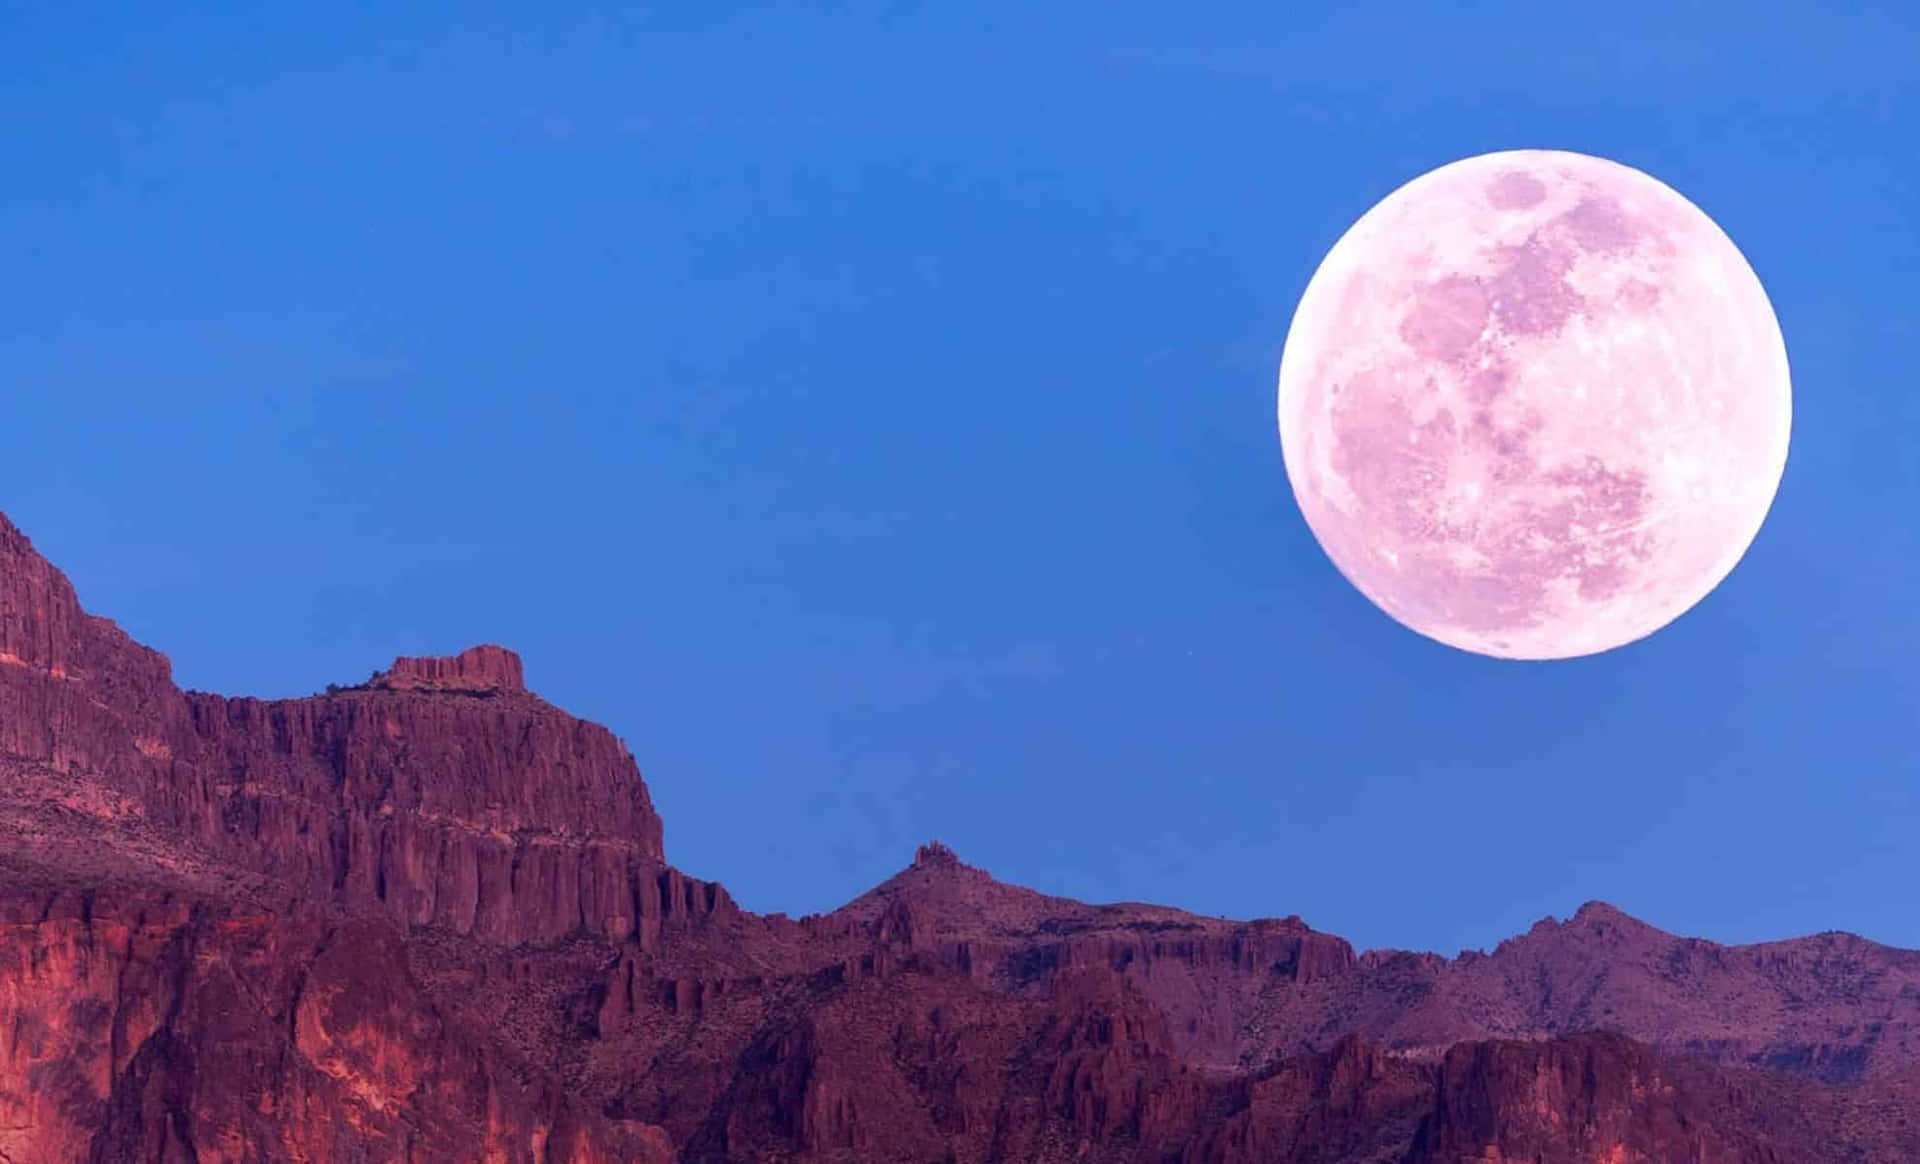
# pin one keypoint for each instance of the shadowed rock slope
(429, 918)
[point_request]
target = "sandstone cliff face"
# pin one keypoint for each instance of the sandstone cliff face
(429, 918)
(502, 817)
(76, 694)
(147, 1026)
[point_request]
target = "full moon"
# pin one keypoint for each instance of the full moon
(1534, 404)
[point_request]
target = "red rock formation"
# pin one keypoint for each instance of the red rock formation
(76, 694)
(481, 670)
(1589, 1098)
(148, 1026)
(430, 918)
(504, 818)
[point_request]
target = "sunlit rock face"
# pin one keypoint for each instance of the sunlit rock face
(155, 1027)
(1534, 404)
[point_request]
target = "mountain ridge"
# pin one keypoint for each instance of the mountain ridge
(353, 891)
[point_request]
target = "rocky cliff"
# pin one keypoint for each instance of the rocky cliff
(429, 918)
(414, 796)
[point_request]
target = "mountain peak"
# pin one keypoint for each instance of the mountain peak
(1600, 911)
(482, 670)
(935, 854)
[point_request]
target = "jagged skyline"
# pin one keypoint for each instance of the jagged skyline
(434, 910)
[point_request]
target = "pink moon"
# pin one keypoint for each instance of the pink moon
(1534, 404)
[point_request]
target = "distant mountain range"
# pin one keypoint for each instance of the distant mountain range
(429, 918)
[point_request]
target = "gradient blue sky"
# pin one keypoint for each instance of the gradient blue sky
(869, 416)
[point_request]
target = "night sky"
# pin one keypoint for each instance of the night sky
(869, 416)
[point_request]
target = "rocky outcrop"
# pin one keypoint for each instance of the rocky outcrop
(485, 670)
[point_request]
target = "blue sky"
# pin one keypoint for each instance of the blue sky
(867, 412)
